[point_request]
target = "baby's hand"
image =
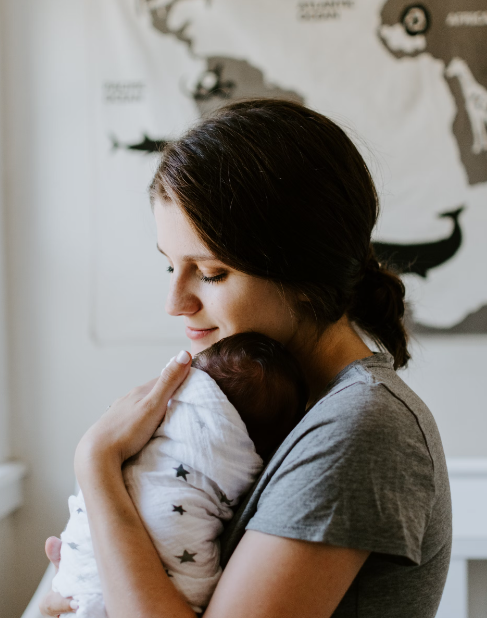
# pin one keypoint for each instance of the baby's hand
(53, 604)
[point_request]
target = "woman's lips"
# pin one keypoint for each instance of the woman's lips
(198, 333)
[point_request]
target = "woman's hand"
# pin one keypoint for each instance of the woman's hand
(53, 604)
(131, 420)
(121, 432)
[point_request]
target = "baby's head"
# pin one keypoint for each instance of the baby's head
(262, 380)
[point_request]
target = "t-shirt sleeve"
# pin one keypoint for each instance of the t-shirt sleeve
(359, 475)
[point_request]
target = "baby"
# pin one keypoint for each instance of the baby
(242, 397)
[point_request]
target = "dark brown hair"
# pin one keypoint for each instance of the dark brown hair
(279, 191)
(264, 382)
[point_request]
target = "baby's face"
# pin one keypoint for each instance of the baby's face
(215, 300)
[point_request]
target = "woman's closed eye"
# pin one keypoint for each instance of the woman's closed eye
(214, 279)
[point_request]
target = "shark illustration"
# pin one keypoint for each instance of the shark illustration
(147, 145)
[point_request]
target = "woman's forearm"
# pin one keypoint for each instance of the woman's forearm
(133, 578)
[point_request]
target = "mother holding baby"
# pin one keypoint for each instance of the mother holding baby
(264, 212)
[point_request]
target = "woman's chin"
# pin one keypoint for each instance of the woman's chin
(199, 346)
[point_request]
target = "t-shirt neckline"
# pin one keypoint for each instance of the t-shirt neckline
(378, 359)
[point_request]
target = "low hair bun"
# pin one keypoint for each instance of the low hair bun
(378, 309)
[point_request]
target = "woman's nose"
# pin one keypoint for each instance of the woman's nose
(181, 300)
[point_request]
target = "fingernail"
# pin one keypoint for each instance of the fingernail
(183, 357)
(74, 604)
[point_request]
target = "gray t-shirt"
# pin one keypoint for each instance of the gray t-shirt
(365, 469)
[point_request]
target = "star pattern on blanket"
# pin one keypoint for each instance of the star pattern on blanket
(202, 424)
(180, 471)
(73, 546)
(224, 499)
(82, 578)
(186, 557)
(179, 509)
(80, 510)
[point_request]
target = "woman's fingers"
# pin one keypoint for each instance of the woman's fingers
(172, 376)
(142, 391)
(130, 421)
(53, 551)
(156, 390)
(53, 604)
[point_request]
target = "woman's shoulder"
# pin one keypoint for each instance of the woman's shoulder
(369, 437)
(367, 416)
(368, 398)
(367, 382)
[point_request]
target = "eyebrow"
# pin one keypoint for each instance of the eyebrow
(192, 258)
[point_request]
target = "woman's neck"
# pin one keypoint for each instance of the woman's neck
(321, 361)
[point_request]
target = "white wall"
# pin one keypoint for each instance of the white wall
(449, 374)
(6, 537)
(60, 379)
(4, 419)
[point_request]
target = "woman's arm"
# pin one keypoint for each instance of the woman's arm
(274, 577)
(268, 576)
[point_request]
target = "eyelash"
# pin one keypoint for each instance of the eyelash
(215, 279)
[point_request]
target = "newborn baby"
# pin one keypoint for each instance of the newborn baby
(242, 397)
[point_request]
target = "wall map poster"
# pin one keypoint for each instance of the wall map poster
(408, 81)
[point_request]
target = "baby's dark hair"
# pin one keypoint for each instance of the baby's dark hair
(264, 382)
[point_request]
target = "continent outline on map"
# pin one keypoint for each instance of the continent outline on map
(459, 39)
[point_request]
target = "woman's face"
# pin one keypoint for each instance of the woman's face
(215, 300)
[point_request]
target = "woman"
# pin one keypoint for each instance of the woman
(265, 213)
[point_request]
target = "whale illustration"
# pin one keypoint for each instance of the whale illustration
(422, 257)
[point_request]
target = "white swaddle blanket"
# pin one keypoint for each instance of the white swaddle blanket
(197, 465)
